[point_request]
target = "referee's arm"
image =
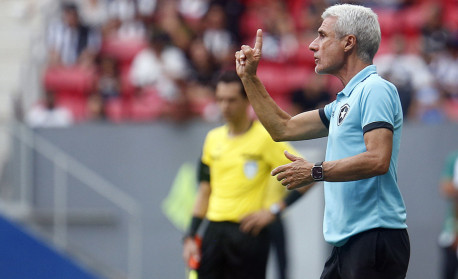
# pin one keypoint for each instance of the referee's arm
(190, 247)
(203, 195)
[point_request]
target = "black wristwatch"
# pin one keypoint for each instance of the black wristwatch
(317, 172)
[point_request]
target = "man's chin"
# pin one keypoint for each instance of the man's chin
(319, 70)
(322, 71)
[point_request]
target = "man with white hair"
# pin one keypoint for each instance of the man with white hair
(365, 215)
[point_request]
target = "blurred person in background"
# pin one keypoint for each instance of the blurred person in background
(124, 21)
(69, 41)
(108, 81)
(363, 204)
(444, 67)
(172, 22)
(412, 78)
(280, 38)
(161, 66)
(199, 89)
(277, 197)
(216, 37)
(48, 114)
(233, 181)
(448, 239)
(94, 13)
(314, 94)
(434, 33)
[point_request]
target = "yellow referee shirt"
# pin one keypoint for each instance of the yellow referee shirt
(240, 169)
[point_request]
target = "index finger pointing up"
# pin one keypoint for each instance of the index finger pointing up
(258, 44)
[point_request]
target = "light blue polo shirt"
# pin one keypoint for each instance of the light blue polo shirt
(367, 102)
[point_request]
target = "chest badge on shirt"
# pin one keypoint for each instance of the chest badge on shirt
(343, 113)
(250, 169)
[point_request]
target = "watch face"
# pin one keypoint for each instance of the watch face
(317, 172)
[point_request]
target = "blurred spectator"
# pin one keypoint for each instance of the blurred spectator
(123, 10)
(69, 41)
(172, 22)
(48, 114)
(199, 89)
(108, 83)
(124, 20)
(445, 68)
(197, 38)
(203, 65)
(314, 94)
(280, 42)
(193, 9)
(448, 239)
(410, 74)
(308, 16)
(161, 66)
(94, 13)
(233, 9)
(434, 34)
(216, 37)
(146, 8)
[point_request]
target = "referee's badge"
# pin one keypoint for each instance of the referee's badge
(250, 169)
(343, 113)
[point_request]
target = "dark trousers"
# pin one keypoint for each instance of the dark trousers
(375, 254)
(227, 253)
(449, 263)
(278, 243)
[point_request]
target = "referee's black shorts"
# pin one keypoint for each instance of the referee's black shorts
(228, 253)
(373, 254)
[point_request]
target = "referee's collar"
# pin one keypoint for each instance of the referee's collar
(359, 77)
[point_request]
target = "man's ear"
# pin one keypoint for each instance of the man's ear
(350, 43)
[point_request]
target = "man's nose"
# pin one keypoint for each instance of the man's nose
(313, 46)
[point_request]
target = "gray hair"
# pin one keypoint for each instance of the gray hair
(359, 21)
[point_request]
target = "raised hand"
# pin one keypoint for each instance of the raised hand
(247, 58)
(295, 174)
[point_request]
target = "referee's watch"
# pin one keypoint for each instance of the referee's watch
(317, 172)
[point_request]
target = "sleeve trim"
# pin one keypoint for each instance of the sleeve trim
(323, 117)
(377, 125)
(204, 172)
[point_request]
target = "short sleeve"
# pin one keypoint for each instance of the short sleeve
(206, 158)
(378, 107)
(326, 113)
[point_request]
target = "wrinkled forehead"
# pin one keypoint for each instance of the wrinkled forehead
(328, 25)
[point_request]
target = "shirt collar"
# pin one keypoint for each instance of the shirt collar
(359, 77)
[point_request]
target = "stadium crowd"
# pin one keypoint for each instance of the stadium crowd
(142, 60)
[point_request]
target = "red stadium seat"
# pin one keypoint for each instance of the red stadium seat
(116, 110)
(412, 20)
(127, 88)
(280, 79)
(76, 104)
(123, 50)
(74, 81)
(389, 23)
(451, 109)
(147, 106)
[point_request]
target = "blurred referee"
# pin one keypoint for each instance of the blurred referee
(235, 169)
